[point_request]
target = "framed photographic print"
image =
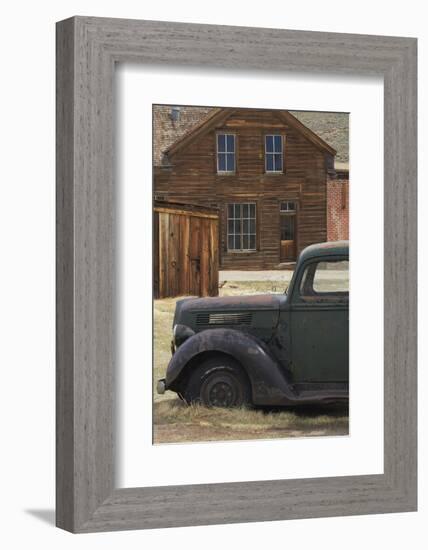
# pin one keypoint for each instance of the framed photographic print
(263, 179)
(236, 274)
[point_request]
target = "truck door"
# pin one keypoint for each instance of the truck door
(320, 322)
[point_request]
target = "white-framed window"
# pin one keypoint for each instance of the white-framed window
(226, 153)
(288, 206)
(241, 226)
(274, 153)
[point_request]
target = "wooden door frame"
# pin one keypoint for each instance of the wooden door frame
(296, 215)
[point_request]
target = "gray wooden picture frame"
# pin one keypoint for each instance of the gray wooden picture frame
(87, 50)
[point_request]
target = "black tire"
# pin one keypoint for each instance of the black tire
(218, 382)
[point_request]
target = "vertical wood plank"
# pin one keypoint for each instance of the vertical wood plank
(213, 257)
(195, 258)
(163, 254)
(184, 255)
(204, 254)
(173, 265)
(156, 254)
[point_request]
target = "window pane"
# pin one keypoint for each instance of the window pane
(290, 228)
(230, 162)
(283, 228)
(329, 280)
(230, 143)
(221, 162)
(278, 163)
(331, 277)
(269, 144)
(269, 162)
(241, 226)
(278, 144)
(221, 143)
(287, 228)
(288, 206)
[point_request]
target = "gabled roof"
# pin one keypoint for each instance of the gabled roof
(332, 127)
(166, 130)
(307, 132)
(328, 131)
(216, 118)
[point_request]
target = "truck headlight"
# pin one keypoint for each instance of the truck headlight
(180, 333)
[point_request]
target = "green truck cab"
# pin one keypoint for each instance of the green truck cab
(269, 349)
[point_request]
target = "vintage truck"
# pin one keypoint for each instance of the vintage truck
(275, 349)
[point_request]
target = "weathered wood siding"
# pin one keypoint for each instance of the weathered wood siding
(185, 254)
(192, 178)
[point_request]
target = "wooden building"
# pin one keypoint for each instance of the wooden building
(264, 170)
(185, 250)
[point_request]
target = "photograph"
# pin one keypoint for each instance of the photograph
(250, 273)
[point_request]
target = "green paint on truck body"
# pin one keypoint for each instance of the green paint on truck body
(302, 335)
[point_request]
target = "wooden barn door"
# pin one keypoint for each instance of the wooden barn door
(288, 229)
(185, 253)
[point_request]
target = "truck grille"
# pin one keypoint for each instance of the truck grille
(209, 319)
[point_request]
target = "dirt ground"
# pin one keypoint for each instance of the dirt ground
(175, 422)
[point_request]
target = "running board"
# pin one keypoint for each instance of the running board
(288, 396)
(320, 396)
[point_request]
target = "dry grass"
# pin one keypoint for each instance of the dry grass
(176, 422)
(179, 422)
(163, 317)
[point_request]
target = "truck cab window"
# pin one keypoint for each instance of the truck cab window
(325, 280)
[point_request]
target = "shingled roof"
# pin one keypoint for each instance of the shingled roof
(333, 128)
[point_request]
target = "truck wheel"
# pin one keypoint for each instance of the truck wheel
(218, 382)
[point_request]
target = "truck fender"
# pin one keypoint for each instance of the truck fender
(268, 381)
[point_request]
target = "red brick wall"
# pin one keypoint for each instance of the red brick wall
(338, 208)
